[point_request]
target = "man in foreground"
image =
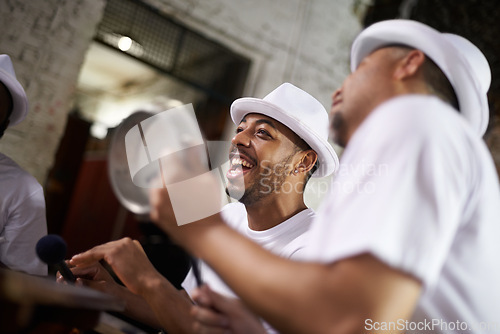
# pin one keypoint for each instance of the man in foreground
(280, 142)
(413, 251)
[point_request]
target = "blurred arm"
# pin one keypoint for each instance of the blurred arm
(300, 297)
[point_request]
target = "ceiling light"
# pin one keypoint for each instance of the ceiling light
(124, 43)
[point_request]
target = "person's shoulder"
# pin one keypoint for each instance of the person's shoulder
(300, 233)
(408, 126)
(306, 216)
(417, 111)
(297, 224)
(424, 117)
(13, 174)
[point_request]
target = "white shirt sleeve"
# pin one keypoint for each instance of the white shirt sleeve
(396, 194)
(26, 225)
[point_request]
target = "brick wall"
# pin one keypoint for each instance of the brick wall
(47, 41)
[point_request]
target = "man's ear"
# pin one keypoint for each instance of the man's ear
(309, 158)
(409, 65)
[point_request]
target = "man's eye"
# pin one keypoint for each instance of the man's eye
(263, 132)
(238, 130)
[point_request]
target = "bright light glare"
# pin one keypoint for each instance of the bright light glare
(124, 43)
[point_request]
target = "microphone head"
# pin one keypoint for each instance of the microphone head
(51, 249)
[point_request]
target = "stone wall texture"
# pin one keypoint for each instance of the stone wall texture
(46, 41)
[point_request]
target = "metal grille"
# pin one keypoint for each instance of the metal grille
(201, 60)
(170, 47)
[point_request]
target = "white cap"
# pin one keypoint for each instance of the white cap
(462, 62)
(298, 111)
(19, 98)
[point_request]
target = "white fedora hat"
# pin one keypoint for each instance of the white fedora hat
(298, 111)
(19, 99)
(462, 62)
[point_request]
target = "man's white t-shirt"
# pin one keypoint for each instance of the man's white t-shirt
(287, 239)
(417, 188)
(22, 218)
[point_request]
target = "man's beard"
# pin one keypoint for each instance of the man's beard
(339, 128)
(264, 185)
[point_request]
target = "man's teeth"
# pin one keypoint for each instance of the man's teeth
(238, 161)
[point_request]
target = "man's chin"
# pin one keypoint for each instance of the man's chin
(235, 192)
(338, 130)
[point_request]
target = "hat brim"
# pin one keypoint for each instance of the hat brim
(328, 160)
(19, 99)
(440, 50)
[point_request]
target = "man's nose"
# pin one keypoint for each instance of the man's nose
(241, 138)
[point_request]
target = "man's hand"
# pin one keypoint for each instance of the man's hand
(215, 313)
(127, 259)
(95, 277)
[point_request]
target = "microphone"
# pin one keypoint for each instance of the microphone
(51, 249)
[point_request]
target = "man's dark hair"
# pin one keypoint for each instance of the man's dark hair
(438, 83)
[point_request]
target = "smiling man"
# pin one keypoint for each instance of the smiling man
(280, 142)
(275, 161)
